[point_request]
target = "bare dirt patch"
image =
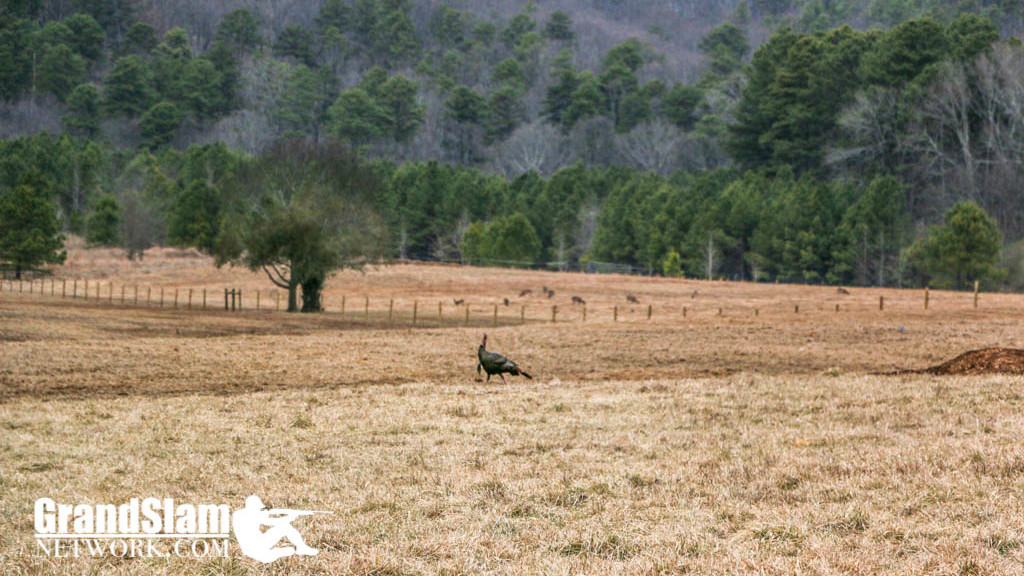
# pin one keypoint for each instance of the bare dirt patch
(985, 361)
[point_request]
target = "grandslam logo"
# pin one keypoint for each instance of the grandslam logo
(161, 528)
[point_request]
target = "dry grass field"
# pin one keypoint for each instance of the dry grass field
(719, 442)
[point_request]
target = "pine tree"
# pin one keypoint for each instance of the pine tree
(82, 118)
(128, 88)
(29, 231)
(356, 118)
(104, 223)
(159, 124)
(60, 71)
(398, 99)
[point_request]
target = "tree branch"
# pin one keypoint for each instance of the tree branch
(279, 283)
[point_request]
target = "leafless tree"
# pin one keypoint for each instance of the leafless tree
(653, 146)
(587, 220)
(593, 141)
(141, 226)
(537, 147)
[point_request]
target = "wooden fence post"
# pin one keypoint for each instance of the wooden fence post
(391, 308)
(440, 315)
(881, 302)
(189, 298)
(975, 293)
(796, 309)
(31, 285)
(122, 294)
(149, 296)
(837, 307)
(63, 287)
(615, 313)
(584, 313)
(258, 300)
(136, 295)
(74, 290)
(467, 314)
(342, 305)
(239, 300)
(649, 308)
(554, 312)
(110, 295)
(97, 290)
(415, 307)
(495, 322)
(366, 308)
(925, 297)
(53, 283)
(204, 298)
(161, 296)
(226, 300)
(85, 292)
(522, 314)
(684, 311)
(175, 298)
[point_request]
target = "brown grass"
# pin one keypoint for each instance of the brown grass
(711, 445)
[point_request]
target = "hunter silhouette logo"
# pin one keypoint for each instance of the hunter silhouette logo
(155, 528)
(259, 544)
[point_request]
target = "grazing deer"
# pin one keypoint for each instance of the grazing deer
(458, 302)
(526, 292)
(842, 290)
(631, 298)
(578, 300)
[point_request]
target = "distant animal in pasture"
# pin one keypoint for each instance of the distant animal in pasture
(458, 302)
(526, 292)
(578, 300)
(842, 290)
(494, 363)
(551, 293)
(631, 298)
(506, 301)
(694, 295)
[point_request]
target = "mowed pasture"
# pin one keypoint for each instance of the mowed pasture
(719, 442)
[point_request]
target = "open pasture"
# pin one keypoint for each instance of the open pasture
(711, 443)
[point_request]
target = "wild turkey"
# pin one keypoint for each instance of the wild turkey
(494, 363)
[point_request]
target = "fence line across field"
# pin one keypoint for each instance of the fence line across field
(407, 310)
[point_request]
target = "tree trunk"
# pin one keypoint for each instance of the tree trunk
(293, 301)
(311, 290)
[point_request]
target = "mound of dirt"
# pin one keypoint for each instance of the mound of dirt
(984, 361)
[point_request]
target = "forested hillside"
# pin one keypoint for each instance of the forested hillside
(861, 142)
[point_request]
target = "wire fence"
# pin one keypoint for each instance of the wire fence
(408, 311)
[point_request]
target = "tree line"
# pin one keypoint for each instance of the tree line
(881, 157)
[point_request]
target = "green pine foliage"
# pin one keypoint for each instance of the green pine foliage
(822, 155)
